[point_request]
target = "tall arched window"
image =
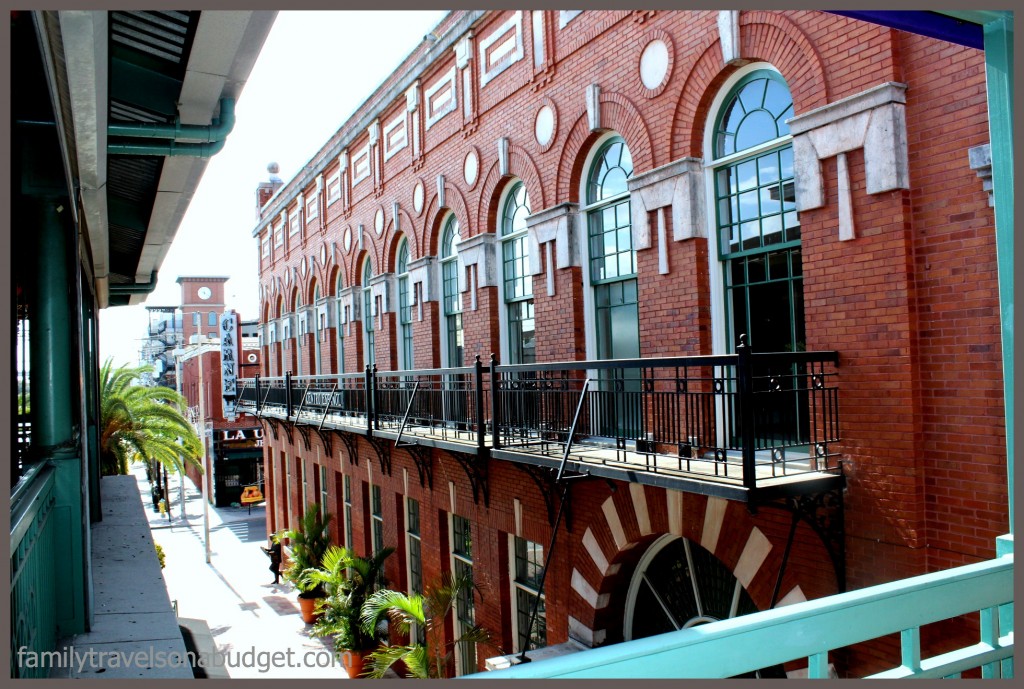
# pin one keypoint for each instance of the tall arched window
(404, 308)
(759, 238)
(320, 326)
(295, 341)
(756, 220)
(518, 283)
(452, 298)
(369, 353)
(611, 255)
(341, 328)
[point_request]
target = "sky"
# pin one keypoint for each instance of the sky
(314, 70)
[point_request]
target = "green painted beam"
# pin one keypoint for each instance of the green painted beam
(805, 630)
(999, 75)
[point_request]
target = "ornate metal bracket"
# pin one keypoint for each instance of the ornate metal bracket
(351, 444)
(383, 449)
(304, 432)
(824, 513)
(423, 459)
(273, 425)
(544, 478)
(325, 438)
(475, 467)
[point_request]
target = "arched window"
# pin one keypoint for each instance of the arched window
(756, 219)
(518, 283)
(404, 307)
(296, 343)
(341, 328)
(369, 355)
(320, 326)
(452, 298)
(611, 255)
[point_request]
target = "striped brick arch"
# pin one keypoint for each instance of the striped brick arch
(631, 520)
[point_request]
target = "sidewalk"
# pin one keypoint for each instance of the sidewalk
(255, 625)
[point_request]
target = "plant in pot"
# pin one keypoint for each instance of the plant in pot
(348, 580)
(431, 657)
(308, 543)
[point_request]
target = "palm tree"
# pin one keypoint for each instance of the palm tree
(427, 660)
(348, 580)
(142, 423)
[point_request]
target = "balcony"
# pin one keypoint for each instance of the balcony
(732, 426)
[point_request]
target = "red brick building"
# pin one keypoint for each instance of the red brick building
(235, 441)
(644, 185)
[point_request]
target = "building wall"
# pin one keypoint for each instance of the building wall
(910, 301)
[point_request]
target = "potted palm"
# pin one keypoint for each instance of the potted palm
(308, 543)
(347, 580)
(431, 658)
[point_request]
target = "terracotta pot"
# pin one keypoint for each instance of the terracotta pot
(353, 662)
(306, 607)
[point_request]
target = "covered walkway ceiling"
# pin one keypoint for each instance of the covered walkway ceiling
(85, 79)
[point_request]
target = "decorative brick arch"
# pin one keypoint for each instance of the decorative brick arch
(521, 166)
(618, 114)
(631, 520)
(454, 202)
(333, 273)
(408, 230)
(765, 37)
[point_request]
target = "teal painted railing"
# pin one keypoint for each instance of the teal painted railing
(33, 574)
(809, 630)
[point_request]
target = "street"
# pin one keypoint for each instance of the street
(255, 625)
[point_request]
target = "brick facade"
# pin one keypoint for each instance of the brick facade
(910, 302)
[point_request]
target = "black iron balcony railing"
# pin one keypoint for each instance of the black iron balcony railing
(742, 418)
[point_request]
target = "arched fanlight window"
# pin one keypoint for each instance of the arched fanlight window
(369, 353)
(756, 219)
(451, 297)
(518, 283)
(611, 255)
(340, 317)
(404, 306)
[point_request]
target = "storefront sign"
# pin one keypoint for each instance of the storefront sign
(229, 363)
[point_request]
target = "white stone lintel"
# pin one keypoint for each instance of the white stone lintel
(421, 272)
(558, 224)
(481, 250)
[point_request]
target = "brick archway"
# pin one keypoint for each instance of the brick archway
(630, 520)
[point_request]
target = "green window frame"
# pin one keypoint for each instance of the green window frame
(465, 613)
(528, 566)
(518, 283)
(451, 298)
(404, 306)
(414, 549)
(369, 336)
(376, 519)
(756, 219)
(349, 543)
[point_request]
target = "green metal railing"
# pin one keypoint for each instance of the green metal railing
(33, 572)
(811, 629)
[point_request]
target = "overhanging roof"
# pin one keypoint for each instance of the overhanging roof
(138, 67)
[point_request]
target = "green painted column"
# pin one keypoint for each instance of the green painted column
(999, 74)
(52, 316)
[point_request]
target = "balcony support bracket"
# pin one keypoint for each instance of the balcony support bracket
(475, 467)
(382, 447)
(304, 432)
(325, 438)
(351, 444)
(823, 512)
(423, 458)
(272, 422)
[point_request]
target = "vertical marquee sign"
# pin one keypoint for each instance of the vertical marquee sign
(228, 362)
